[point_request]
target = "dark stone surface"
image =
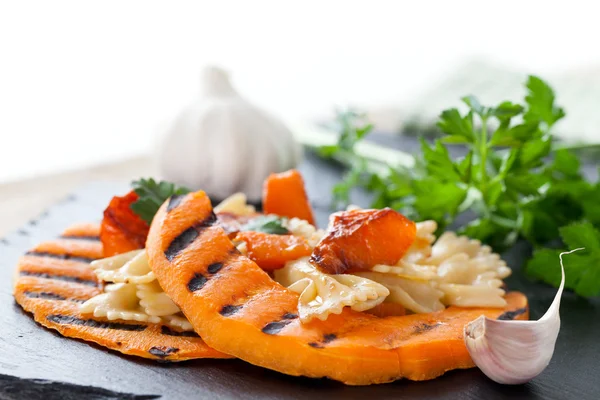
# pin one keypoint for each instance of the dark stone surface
(13, 388)
(37, 363)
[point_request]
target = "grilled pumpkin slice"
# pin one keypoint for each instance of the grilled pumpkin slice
(55, 277)
(238, 309)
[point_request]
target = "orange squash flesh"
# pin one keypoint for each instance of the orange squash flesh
(238, 309)
(284, 194)
(122, 230)
(387, 310)
(359, 239)
(270, 251)
(55, 278)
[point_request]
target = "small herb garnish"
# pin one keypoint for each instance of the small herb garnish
(582, 273)
(152, 195)
(267, 224)
(504, 182)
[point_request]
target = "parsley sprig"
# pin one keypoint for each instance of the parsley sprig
(152, 195)
(505, 183)
(267, 224)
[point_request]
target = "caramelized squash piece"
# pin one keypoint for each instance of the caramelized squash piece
(358, 240)
(271, 251)
(238, 309)
(284, 194)
(122, 230)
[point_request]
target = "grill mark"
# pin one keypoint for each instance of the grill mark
(273, 328)
(289, 316)
(165, 330)
(330, 337)
(188, 236)
(65, 278)
(50, 296)
(44, 295)
(197, 282)
(215, 267)
(424, 327)
(91, 238)
(174, 201)
(162, 352)
(229, 310)
(68, 320)
(60, 256)
(180, 243)
(510, 315)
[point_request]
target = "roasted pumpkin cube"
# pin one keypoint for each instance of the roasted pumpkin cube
(284, 194)
(271, 251)
(357, 240)
(122, 230)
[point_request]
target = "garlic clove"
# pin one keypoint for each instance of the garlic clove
(222, 143)
(514, 352)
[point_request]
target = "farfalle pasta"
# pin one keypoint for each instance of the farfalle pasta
(130, 267)
(133, 293)
(454, 270)
(119, 301)
(433, 274)
(303, 228)
(235, 204)
(322, 294)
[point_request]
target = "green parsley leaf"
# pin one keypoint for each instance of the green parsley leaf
(540, 99)
(582, 269)
(545, 266)
(152, 195)
(267, 224)
(454, 125)
(507, 110)
(506, 180)
(533, 151)
(475, 105)
(465, 166)
(438, 162)
(591, 205)
(566, 163)
(437, 200)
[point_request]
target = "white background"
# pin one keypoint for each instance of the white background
(83, 82)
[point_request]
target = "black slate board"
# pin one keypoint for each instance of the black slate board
(39, 363)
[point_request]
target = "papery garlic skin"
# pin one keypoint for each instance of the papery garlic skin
(223, 144)
(514, 352)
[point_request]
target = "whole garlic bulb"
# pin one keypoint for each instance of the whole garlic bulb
(223, 144)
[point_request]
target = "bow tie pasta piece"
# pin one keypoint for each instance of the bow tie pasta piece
(322, 294)
(154, 301)
(416, 296)
(421, 247)
(302, 228)
(134, 294)
(118, 302)
(474, 295)
(450, 244)
(408, 271)
(178, 321)
(236, 204)
(131, 267)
